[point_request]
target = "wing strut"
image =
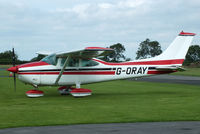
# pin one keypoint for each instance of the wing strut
(61, 72)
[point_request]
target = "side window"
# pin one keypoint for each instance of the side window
(62, 61)
(88, 63)
(73, 63)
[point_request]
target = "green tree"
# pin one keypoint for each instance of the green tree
(116, 55)
(148, 49)
(6, 57)
(193, 55)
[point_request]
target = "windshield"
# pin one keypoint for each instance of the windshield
(51, 59)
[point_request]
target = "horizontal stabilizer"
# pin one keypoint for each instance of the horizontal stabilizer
(170, 68)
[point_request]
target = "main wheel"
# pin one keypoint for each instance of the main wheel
(64, 90)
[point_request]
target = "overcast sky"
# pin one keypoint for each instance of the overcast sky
(63, 25)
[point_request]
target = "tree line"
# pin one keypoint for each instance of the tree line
(147, 49)
(6, 58)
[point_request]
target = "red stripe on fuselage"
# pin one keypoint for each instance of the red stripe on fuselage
(33, 64)
(157, 62)
(69, 73)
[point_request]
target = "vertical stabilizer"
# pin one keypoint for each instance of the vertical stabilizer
(178, 48)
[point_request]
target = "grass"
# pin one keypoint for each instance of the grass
(2, 70)
(111, 102)
(4, 73)
(5, 66)
(189, 72)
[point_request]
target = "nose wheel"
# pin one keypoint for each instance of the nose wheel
(33, 93)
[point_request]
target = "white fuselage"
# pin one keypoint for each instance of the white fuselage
(43, 75)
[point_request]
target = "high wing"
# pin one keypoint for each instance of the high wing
(88, 52)
(44, 53)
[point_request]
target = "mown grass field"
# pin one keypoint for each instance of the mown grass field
(3, 71)
(5, 66)
(111, 102)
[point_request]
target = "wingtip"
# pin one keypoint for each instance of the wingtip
(186, 34)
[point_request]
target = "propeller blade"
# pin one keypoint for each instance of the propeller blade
(14, 81)
(13, 60)
(13, 56)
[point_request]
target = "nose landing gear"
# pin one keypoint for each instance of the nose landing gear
(33, 93)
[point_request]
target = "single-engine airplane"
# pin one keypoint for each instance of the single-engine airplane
(82, 67)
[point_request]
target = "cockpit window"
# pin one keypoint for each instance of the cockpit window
(51, 59)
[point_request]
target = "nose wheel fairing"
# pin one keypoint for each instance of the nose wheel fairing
(33, 93)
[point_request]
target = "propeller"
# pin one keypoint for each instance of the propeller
(13, 62)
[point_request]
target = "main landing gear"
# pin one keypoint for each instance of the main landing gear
(76, 92)
(65, 90)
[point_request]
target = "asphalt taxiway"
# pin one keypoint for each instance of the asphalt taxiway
(116, 128)
(179, 79)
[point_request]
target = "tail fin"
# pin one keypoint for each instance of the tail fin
(178, 48)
